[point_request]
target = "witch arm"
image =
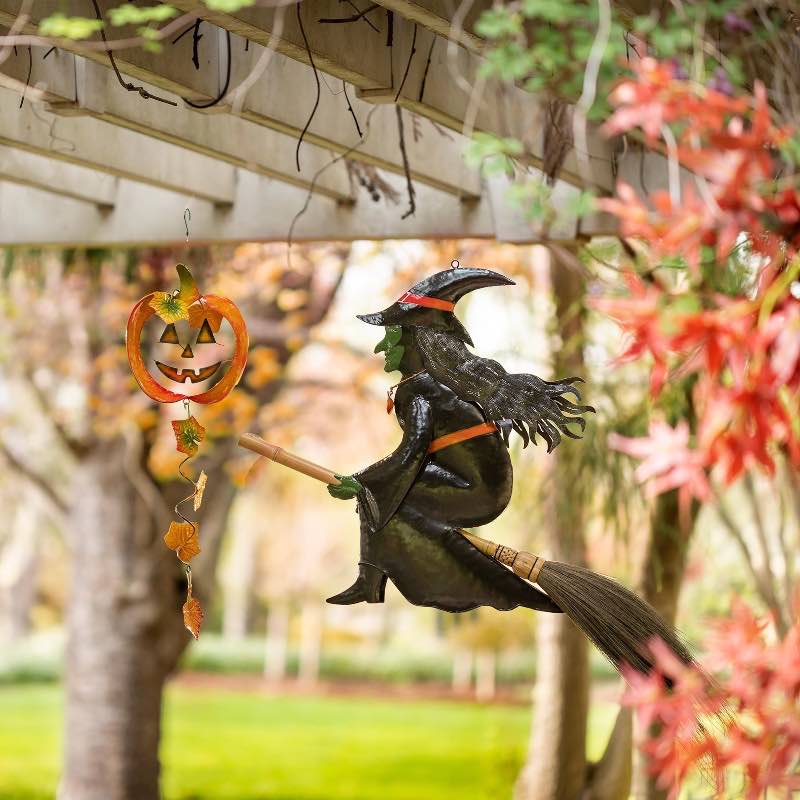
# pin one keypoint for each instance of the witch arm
(388, 481)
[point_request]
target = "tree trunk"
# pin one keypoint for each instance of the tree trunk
(556, 763)
(19, 569)
(462, 670)
(238, 575)
(662, 573)
(485, 675)
(310, 641)
(124, 626)
(277, 641)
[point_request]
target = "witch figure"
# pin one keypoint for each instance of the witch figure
(452, 468)
(452, 471)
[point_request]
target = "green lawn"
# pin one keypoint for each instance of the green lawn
(235, 746)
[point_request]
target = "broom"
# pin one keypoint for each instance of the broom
(618, 622)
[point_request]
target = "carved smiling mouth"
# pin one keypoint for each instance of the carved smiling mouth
(183, 375)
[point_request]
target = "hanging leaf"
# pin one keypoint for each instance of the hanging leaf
(200, 487)
(182, 537)
(170, 307)
(193, 615)
(188, 435)
(188, 291)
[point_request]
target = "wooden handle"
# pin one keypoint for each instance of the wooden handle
(277, 454)
(526, 565)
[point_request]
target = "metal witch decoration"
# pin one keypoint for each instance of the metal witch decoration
(452, 471)
(191, 322)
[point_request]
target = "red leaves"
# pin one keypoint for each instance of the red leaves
(748, 378)
(667, 462)
(751, 711)
(744, 352)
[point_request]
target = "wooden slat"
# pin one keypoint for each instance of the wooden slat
(144, 215)
(437, 16)
(281, 100)
(219, 136)
(57, 177)
(113, 150)
(197, 84)
(423, 83)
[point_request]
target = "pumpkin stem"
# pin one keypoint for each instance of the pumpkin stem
(188, 288)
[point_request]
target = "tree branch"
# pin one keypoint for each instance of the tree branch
(74, 446)
(35, 479)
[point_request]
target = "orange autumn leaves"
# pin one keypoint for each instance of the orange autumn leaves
(193, 615)
(188, 435)
(182, 537)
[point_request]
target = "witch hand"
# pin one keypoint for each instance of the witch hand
(346, 489)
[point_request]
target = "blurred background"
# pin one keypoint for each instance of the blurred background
(284, 696)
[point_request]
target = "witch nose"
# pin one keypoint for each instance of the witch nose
(187, 352)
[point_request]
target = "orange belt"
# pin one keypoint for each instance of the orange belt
(462, 436)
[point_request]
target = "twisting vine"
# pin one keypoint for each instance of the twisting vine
(127, 85)
(319, 89)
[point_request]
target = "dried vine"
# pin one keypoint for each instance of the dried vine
(319, 88)
(412, 203)
(127, 85)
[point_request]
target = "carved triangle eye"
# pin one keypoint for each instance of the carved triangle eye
(170, 335)
(206, 335)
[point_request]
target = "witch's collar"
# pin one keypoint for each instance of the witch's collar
(391, 390)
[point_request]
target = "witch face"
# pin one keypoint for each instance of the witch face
(391, 348)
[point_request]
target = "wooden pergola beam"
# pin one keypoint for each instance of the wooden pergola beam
(56, 177)
(416, 72)
(113, 150)
(433, 158)
(437, 16)
(219, 136)
(145, 215)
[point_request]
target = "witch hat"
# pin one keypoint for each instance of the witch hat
(430, 303)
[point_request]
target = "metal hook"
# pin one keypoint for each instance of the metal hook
(187, 218)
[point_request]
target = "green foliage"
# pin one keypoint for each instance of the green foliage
(151, 42)
(492, 154)
(581, 204)
(790, 149)
(544, 44)
(63, 27)
(129, 14)
(228, 6)
(533, 198)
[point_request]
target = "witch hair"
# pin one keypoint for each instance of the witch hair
(520, 402)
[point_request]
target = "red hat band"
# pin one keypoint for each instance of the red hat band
(427, 302)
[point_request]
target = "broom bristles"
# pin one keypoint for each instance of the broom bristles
(619, 622)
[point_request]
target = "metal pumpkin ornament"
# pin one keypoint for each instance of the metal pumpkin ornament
(192, 322)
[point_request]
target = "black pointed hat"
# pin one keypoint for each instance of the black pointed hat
(430, 302)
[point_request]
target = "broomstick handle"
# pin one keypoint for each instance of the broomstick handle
(526, 565)
(280, 456)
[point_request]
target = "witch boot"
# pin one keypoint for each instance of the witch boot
(369, 587)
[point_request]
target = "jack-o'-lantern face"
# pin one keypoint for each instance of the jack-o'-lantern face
(197, 344)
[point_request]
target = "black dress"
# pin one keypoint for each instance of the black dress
(409, 532)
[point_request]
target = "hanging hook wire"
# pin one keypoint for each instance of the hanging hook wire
(187, 218)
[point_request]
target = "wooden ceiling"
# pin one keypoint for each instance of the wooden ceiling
(395, 89)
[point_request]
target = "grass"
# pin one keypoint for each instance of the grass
(235, 746)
